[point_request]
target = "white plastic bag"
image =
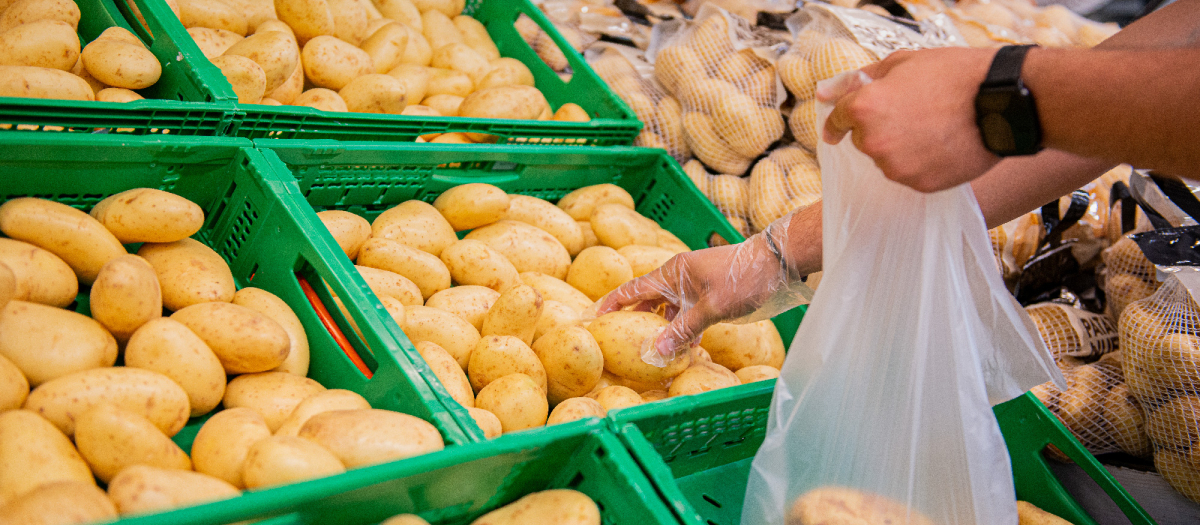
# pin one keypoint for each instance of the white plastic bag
(884, 402)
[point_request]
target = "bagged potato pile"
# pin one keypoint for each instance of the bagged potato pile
(41, 57)
(993, 23)
(631, 77)
(397, 57)
(501, 316)
(86, 419)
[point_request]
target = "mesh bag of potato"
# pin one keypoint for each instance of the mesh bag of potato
(1161, 353)
(545, 47)
(888, 387)
(723, 74)
(785, 180)
(1129, 276)
(631, 77)
(993, 23)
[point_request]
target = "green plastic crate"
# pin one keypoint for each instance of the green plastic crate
(457, 485)
(715, 494)
(369, 178)
(257, 223)
(612, 124)
(208, 112)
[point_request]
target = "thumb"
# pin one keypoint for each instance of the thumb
(683, 330)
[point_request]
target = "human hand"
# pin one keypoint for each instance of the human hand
(745, 282)
(915, 116)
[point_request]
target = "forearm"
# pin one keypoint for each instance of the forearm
(1137, 107)
(1172, 26)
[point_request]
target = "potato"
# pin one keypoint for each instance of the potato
(499, 355)
(14, 388)
(279, 460)
(616, 397)
(28, 11)
(737, 346)
(149, 394)
(459, 57)
(645, 259)
(142, 488)
(506, 72)
(256, 12)
(213, 14)
(308, 19)
(554, 315)
(1173, 361)
(189, 273)
(326, 401)
(38, 275)
(365, 437)
(548, 217)
(111, 438)
(516, 400)
(125, 296)
(275, 53)
(428, 272)
(651, 396)
(45, 43)
(450, 8)
(470, 206)
(446, 369)
(274, 395)
(528, 248)
(554, 289)
(755, 373)
(560, 506)
(580, 204)
(332, 63)
(1175, 424)
(599, 270)
(417, 52)
(1079, 407)
(60, 502)
(1029, 514)
(1129, 423)
(415, 79)
(468, 302)
(575, 408)
(276, 25)
(401, 11)
(445, 106)
(511, 102)
(514, 313)
(473, 262)
(34, 453)
(221, 445)
(81, 241)
(272, 306)
(571, 112)
(248, 79)
(149, 215)
(348, 229)
(415, 224)
(389, 284)
(448, 82)
(375, 94)
(623, 335)
(838, 55)
(322, 99)
(213, 42)
(1179, 472)
(40, 82)
(386, 47)
(47, 343)
(450, 138)
(293, 87)
(405, 519)
(168, 347)
(702, 377)
(245, 341)
(121, 64)
(449, 331)
(487, 421)
(439, 30)
(349, 20)
(617, 226)
(475, 35)
(8, 285)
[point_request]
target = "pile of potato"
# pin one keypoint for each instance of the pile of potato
(86, 419)
(514, 337)
(557, 506)
(396, 57)
(40, 56)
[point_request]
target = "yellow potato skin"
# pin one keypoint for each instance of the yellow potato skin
(574, 409)
(555, 289)
(415, 224)
(446, 369)
(548, 217)
(599, 270)
(528, 248)
(142, 488)
(348, 229)
(277, 310)
(332, 63)
(274, 52)
(572, 360)
(121, 64)
(244, 340)
(617, 397)
(425, 270)
(126, 296)
(111, 438)
(34, 453)
(14, 388)
(308, 19)
(39, 276)
(365, 437)
(622, 335)
(468, 302)
(149, 394)
(221, 445)
(391, 284)
(60, 502)
(455, 335)
(514, 313)
(189, 273)
(737, 346)
(516, 400)
(279, 460)
(149, 215)
(617, 226)
(487, 421)
(41, 82)
(26, 11)
(470, 206)
(473, 262)
(274, 395)
(702, 377)
(46, 43)
(580, 204)
(333, 399)
(81, 241)
(559, 506)
(499, 355)
(46, 343)
(170, 348)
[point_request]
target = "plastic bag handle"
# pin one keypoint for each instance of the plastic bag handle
(1179, 194)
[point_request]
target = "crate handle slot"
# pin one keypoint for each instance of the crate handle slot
(332, 327)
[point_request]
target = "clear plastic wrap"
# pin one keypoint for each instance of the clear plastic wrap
(882, 410)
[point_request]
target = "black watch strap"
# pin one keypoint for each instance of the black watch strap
(1006, 66)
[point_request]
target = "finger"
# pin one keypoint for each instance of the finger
(685, 328)
(838, 87)
(880, 69)
(646, 288)
(840, 122)
(647, 306)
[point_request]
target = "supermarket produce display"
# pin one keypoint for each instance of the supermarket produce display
(307, 261)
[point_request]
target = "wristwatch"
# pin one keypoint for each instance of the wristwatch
(1004, 109)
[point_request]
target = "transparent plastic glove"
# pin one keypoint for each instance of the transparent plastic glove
(740, 283)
